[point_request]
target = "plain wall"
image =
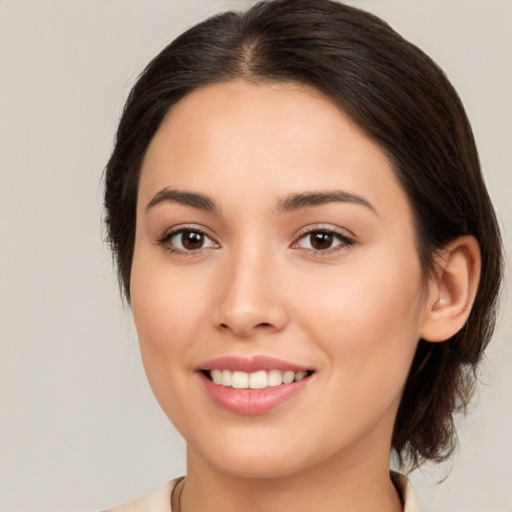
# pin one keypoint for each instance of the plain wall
(79, 428)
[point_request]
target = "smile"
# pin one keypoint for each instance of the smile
(254, 385)
(257, 380)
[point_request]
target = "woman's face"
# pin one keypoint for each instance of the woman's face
(273, 243)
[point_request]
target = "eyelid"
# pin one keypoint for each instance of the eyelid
(326, 227)
(165, 239)
(347, 237)
(346, 240)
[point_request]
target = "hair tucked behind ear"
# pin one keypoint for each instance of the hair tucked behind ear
(403, 101)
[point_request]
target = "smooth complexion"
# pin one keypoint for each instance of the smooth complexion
(269, 225)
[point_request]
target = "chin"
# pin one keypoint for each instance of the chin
(259, 465)
(257, 457)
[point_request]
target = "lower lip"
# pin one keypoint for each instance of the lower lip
(252, 401)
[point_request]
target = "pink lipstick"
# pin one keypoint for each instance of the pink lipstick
(252, 385)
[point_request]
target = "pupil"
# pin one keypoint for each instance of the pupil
(192, 240)
(321, 240)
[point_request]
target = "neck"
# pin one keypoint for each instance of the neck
(346, 482)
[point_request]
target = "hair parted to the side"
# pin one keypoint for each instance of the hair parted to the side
(404, 102)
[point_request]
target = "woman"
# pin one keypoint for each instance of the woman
(300, 224)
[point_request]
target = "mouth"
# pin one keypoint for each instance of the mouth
(261, 379)
(253, 385)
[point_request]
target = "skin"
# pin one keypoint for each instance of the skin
(353, 313)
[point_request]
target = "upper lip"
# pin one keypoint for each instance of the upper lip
(251, 364)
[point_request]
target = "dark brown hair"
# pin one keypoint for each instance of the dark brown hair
(403, 101)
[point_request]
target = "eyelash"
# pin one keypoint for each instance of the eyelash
(344, 241)
(165, 241)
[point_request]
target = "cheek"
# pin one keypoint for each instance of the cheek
(168, 312)
(167, 315)
(163, 302)
(367, 319)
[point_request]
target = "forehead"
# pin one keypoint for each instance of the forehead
(264, 141)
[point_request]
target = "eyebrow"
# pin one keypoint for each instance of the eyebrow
(290, 203)
(304, 200)
(193, 199)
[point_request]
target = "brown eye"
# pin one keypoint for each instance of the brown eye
(323, 240)
(188, 240)
(192, 240)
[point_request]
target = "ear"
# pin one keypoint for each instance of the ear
(452, 290)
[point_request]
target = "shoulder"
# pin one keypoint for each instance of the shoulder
(406, 490)
(158, 501)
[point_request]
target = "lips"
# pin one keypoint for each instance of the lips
(251, 364)
(252, 385)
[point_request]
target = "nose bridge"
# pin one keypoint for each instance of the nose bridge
(250, 300)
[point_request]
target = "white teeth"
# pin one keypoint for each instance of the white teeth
(217, 376)
(288, 377)
(240, 380)
(257, 380)
(227, 378)
(274, 378)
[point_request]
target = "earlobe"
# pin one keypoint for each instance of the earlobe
(452, 290)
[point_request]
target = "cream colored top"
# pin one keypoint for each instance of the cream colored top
(160, 500)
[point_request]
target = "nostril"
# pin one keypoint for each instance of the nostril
(263, 324)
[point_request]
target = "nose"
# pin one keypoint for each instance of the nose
(251, 300)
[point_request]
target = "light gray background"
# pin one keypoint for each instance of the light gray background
(79, 428)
